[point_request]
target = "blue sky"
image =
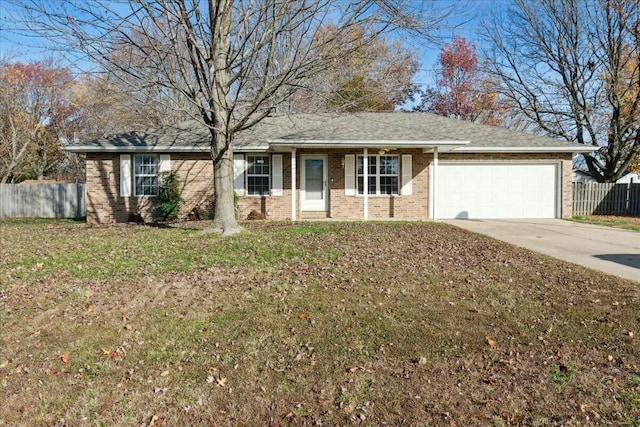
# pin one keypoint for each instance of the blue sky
(470, 14)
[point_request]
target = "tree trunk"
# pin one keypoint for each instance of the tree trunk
(217, 115)
(224, 214)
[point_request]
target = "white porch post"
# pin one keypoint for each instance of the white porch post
(434, 174)
(365, 184)
(293, 184)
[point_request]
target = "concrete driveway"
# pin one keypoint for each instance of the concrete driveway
(607, 249)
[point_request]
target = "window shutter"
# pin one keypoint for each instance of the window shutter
(165, 163)
(238, 174)
(125, 175)
(349, 175)
(276, 175)
(407, 175)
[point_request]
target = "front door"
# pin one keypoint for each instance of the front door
(313, 186)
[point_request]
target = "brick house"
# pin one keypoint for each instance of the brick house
(356, 166)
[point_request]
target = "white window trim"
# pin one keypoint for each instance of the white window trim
(350, 175)
(378, 175)
(276, 175)
(134, 175)
(126, 179)
(246, 174)
(406, 186)
(239, 174)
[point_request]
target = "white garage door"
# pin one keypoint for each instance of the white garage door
(496, 190)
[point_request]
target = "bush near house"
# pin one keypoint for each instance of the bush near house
(169, 198)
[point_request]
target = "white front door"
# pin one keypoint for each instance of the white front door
(313, 185)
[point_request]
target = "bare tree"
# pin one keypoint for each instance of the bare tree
(571, 69)
(232, 60)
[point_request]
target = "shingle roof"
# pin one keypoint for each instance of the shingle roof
(301, 129)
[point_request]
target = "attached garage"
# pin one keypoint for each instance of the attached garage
(496, 190)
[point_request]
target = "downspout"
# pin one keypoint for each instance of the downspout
(293, 184)
(365, 184)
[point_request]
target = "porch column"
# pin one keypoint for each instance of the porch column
(434, 174)
(293, 184)
(365, 184)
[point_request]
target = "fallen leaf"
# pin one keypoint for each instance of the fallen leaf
(64, 358)
(516, 419)
(155, 421)
(40, 264)
(164, 373)
(221, 382)
(90, 307)
(422, 361)
(491, 343)
(210, 379)
(353, 369)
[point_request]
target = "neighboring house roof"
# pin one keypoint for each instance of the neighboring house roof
(630, 178)
(580, 176)
(584, 177)
(394, 130)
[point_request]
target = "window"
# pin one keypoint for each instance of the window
(383, 174)
(258, 170)
(145, 175)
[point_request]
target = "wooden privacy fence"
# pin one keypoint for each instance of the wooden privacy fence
(606, 199)
(43, 200)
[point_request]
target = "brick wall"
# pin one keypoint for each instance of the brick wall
(341, 206)
(105, 205)
(415, 206)
(195, 171)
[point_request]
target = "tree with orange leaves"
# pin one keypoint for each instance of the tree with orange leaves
(36, 111)
(462, 91)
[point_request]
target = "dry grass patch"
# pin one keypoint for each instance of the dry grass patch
(308, 324)
(625, 222)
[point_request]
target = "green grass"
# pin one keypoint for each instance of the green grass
(626, 223)
(297, 324)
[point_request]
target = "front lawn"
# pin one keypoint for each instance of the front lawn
(625, 222)
(323, 323)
